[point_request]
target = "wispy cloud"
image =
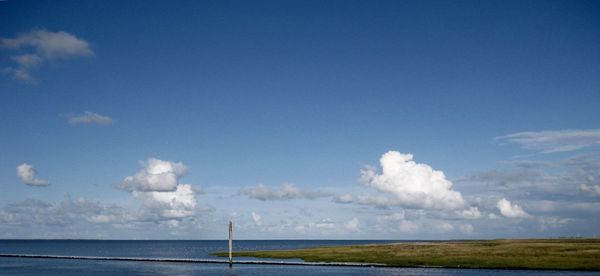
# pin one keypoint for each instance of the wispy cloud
(39, 45)
(88, 118)
(28, 175)
(554, 140)
(285, 191)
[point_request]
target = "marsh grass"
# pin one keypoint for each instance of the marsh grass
(583, 254)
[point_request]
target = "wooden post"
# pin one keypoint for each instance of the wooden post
(230, 244)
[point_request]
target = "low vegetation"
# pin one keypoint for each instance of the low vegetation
(583, 254)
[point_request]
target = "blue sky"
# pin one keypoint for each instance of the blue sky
(271, 112)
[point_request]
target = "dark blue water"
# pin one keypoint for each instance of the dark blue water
(195, 250)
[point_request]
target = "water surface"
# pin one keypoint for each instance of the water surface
(195, 250)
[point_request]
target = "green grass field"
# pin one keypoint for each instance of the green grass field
(524, 254)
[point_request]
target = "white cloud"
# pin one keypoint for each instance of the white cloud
(176, 204)
(256, 218)
(27, 174)
(353, 225)
(325, 224)
(156, 175)
(157, 187)
(88, 118)
(470, 213)
(49, 44)
(593, 189)
(39, 45)
(415, 185)
(554, 140)
(85, 218)
(285, 191)
(510, 210)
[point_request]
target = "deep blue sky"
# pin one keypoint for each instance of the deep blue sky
(307, 92)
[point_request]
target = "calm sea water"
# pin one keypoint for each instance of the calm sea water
(197, 250)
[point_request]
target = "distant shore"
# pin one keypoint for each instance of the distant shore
(562, 253)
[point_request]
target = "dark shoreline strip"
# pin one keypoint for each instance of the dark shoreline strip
(184, 260)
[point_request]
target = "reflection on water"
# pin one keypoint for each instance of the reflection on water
(16, 266)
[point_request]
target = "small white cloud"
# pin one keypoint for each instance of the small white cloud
(156, 175)
(40, 45)
(470, 213)
(554, 140)
(27, 174)
(256, 218)
(88, 118)
(415, 185)
(510, 210)
(324, 224)
(353, 225)
(592, 189)
(285, 191)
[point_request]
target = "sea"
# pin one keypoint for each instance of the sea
(196, 249)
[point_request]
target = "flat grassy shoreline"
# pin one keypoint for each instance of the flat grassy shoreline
(575, 254)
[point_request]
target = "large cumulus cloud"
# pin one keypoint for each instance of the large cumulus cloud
(413, 184)
(155, 176)
(157, 187)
